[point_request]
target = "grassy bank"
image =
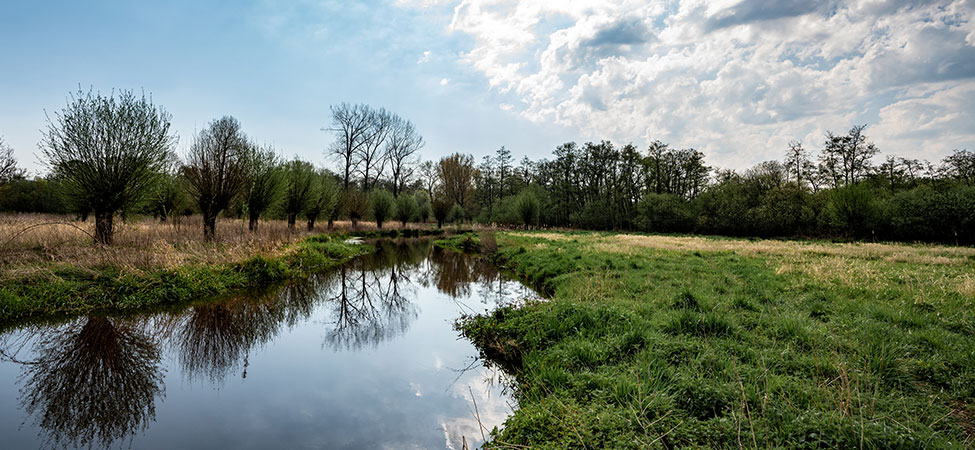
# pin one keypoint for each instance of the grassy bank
(689, 341)
(65, 288)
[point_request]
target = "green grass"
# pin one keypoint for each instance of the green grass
(73, 291)
(647, 345)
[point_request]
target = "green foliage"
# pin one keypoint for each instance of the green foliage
(325, 201)
(854, 208)
(664, 213)
(406, 208)
(441, 208)
(300, 188)
(528, 208)
(265, 181)
(383, 206)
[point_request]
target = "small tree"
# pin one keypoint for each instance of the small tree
(423, 211)
(357, 204)
(406, 208)
(107, 152)
(440, 206)
(528, 208)
(383, 206)
(265, 183)
(326, 202)
(167, 198)
(217, 169)
(299, 189)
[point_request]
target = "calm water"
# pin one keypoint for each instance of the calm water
(362, 357)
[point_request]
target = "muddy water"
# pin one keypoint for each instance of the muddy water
(364, 356)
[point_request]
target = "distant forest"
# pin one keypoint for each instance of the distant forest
(372, 171)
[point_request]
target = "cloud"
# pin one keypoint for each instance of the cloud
(737, 79)
(425, 57)
(444, 81)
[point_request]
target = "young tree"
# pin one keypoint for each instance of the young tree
(528, 208)
(168, 198)
(423, 211)
(383, 206)
(406, 208)
(357, 204)
(326, 202)
(441, 206)
(107, 151)
(428, 177)
(265, 183)
(217, 169)
(402, 149)
(504, 161)
(299, 188)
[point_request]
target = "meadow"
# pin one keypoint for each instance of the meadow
(676, 341)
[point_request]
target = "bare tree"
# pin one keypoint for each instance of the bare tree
(108, 151)
(797, 163)
(352, 124)
(217, 169)
(428, 177)
(402, 149)
(8, 164)
(372, 153)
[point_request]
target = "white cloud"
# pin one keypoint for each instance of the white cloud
(444, 81)
(738, 79)
(425, 57)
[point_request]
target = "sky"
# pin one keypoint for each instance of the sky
(735, 79)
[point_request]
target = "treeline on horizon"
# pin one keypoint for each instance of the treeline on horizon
(376, 174)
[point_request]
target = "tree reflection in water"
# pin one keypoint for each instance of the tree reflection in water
(93, 382)
(371, 296)
(214, 339)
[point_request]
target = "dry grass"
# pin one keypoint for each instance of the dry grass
(32, 243)
(856, 264)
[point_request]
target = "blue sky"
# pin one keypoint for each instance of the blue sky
(731, 78)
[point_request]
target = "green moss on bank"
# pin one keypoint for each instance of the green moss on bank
(664, 348)
(74, 291)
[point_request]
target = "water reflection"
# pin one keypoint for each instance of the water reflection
(95, 381)
(92, 382)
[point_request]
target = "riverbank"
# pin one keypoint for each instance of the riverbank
(667, 341)
(67, 289)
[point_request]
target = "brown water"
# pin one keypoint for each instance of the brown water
(364, 356)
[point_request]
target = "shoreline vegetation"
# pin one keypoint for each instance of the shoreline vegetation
(687, 341)
(49, 268)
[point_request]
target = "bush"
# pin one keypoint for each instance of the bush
(664, 213)
(406, 208)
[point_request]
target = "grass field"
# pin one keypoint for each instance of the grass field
(661, 341)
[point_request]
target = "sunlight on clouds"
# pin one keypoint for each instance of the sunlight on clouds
(738, 79)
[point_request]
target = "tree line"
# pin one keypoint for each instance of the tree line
(112, 156)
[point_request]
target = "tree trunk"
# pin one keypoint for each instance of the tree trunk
(103, 227)
(330, 223)
(209, 226)
(291, 221)
(355, 223)
(439, 223)
(252, 224)
(379, 224)
(311, 224)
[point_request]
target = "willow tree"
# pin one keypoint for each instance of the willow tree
(108, 151)
(325, 201)
(217, 169)
(299, 189)
(264, 185)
